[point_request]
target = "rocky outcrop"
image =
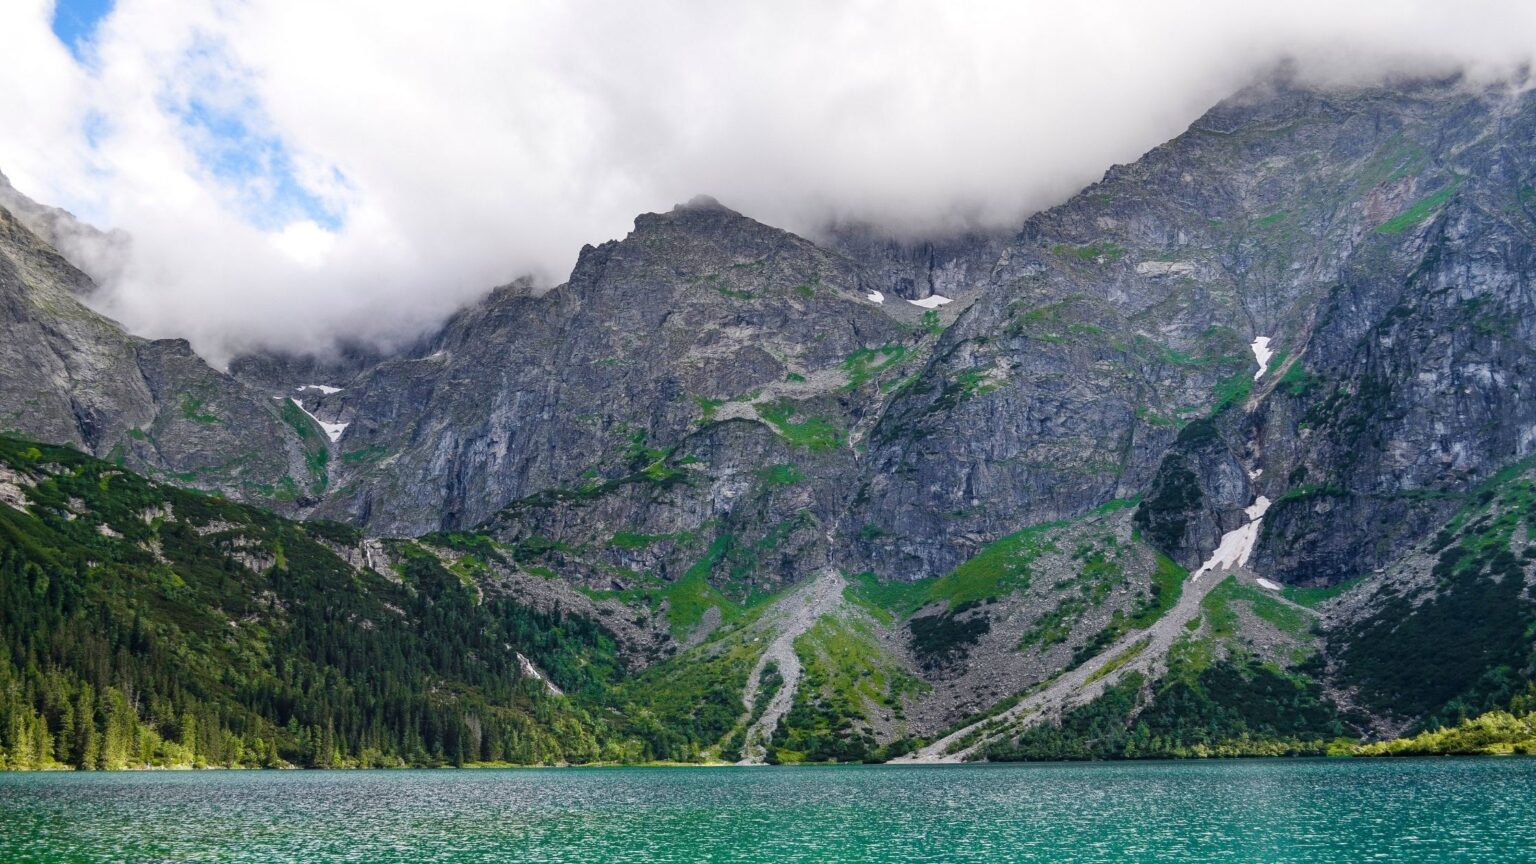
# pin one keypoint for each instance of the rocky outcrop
(70, 375)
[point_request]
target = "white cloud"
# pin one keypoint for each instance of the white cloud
(463, 144)
(304, 242)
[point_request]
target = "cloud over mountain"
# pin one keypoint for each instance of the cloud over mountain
(291, 173)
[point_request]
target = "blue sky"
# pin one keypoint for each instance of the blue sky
(75, 20)
(256, 166)
(292, 172)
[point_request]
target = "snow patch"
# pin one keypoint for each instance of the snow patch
(332, 430)
(875, 297)
(1262, 354)
(1265, 583)
(323, 388)
(933, 302)
(1236, 545)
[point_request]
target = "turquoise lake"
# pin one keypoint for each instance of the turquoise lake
(1249, 810)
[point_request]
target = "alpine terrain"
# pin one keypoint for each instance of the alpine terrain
(1233, 452)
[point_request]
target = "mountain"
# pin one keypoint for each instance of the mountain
(102, 254)
(1228, 453)
(70, 375)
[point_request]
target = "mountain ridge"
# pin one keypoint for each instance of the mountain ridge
(1015, 483)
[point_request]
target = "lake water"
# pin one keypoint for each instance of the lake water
(1260, 810)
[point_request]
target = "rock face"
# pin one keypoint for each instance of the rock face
(703, 334)
(69, 375)
(914, 268)
(1320, 298)
(102, 254)
(1378, 238)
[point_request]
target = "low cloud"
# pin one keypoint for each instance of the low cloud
(294, 173)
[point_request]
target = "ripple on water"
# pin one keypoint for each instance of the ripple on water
(1271, 811)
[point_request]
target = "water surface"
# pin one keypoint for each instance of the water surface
(1230, 811)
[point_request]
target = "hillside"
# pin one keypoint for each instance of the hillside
(1228, 453)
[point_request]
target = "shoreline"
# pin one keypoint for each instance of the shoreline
(508, 766)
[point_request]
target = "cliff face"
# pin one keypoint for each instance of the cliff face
(69, 375)
(1377, 241)
(1315, 302)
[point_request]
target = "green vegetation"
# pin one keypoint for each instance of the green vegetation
(1296, 381)
(782, 474)
(1106, 250)
(847, 675)
(149, 644)
(1467, 648)
(998, 569)
(1167, 587)
(1314, 597)
(707, 407)
(867, 363)
(887, 599)
(1397, 158)
(719, 283)
(1273, 219)
(1496, 733)
(192, 409)
(1232, 392)
(633, 540)
(1118, 661)
(317, 453)
(217, 634)
(1152, 418)
(769, 684)
(679, 710)
(1200, 708)
(366, 455)
(1163, 516)
(690, 597)
(1098, 573)
(812, 433)
(1420, 210)
(1222, 617)
(1052, 323)
(946, 636)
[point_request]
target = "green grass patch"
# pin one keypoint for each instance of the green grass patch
(1107, 250)
(1119, 660)
(1232, 392)
(192, 409)
(887, 600)
(782, 474)
(1314, 597)
(812, 433)
(363, 456)
(692, 596)
(1420, 210)
(707, 407)
(634, 540)
(1223, 618)
(867, 363)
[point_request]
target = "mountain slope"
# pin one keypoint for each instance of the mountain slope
(1265, 363)
(69, 375)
